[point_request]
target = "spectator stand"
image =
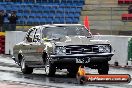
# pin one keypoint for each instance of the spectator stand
(45, 11)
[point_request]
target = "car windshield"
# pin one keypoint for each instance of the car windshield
(62, 31)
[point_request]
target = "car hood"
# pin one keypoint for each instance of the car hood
(79, 40)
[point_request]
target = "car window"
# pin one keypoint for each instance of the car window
(37, 36)
(62, 31)
(30, 35)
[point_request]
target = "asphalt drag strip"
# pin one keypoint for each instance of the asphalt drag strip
(10, 72)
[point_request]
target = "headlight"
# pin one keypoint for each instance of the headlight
(60, 50)
(104, 49)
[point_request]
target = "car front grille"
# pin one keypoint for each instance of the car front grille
(81, 49)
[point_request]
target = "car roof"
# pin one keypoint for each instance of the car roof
(53, 25)
(57, 25)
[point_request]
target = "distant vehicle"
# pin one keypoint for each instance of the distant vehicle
(62, 46)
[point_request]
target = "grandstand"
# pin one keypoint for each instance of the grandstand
(33, 12)
(106, 16)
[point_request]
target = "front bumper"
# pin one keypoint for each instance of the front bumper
(109, 55)
(92, 57)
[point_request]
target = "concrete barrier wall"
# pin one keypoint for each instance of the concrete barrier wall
(119, 44)
(120, 47)
(12, 38)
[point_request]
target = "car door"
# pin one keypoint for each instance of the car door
(26, 46)
(35, 47)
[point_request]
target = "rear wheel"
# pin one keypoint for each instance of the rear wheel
(24, 68)
(19, 59)
(103, 68)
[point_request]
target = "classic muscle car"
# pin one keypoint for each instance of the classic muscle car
(62, 46)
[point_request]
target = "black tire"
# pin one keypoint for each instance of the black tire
(24, 68)
(44, 56)
(73, 71)
(82, 80)
(50, 70)
(19, 59)
(103, 68)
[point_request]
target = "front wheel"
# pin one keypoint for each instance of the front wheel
(50, 70)
(24, 68)
(103, 68)
(72, 71)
